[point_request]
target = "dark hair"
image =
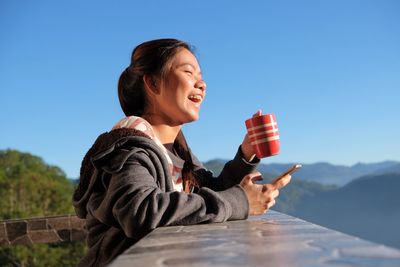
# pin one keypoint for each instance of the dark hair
(152, 58)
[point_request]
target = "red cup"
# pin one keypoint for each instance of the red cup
(264, 135)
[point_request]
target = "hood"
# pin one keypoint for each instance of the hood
(102, 156)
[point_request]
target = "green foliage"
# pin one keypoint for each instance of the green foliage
(31, 188)
(42, 255)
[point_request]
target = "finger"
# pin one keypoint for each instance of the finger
(279, 178)
(258, 210)
(275, 193)
(271, 203)
(248, 179)
(257, 178)
(271, 194)
(258, 113)
(245, 181)
(268, 188)
(282, 181)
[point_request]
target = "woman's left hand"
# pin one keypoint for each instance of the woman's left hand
(247, 148)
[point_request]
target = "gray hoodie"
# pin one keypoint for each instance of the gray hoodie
(125, 191)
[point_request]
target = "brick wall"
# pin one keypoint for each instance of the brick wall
(52, 229)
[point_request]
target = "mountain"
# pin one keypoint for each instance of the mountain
(368, 207)
(215, 165)
(360, 200)
(390, 169)
(321, 172)
(380, 167)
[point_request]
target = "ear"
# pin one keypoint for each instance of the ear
(150, 84)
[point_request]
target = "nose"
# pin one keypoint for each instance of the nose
(201, 84)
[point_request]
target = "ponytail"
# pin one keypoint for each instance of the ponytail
(131, 93)
(189, 179)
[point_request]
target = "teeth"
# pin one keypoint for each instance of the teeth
(196, 97)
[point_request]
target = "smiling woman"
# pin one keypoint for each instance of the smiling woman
(176, 98)
(142, 174)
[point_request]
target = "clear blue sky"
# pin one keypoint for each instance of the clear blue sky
(329, 70)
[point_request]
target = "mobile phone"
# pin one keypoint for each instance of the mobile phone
(292, 169)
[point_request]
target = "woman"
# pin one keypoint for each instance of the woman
(142, 175)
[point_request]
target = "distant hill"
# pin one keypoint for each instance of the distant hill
(361, 200)
(390, 169)
(215, 165)
(368, 207)
(321, 172)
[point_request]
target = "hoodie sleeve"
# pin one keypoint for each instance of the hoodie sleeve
(134, 199)
(231, 175)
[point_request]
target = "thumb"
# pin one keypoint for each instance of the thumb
(256, 178)
(282, 181)
(246, 180)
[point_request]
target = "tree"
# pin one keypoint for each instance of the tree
(30, 188)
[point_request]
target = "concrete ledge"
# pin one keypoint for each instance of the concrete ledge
(274, 239)
(53, 229)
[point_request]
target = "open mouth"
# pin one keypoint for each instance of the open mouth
(196, 98)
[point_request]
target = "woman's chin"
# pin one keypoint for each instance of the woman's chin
(192, 118)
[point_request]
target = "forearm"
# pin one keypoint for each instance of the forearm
(232, 173)
(137, 205)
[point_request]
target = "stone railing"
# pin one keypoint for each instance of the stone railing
(52, 229)
(274, 239)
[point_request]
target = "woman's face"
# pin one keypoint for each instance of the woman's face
(181, 92)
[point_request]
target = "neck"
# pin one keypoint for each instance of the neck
(165, 132)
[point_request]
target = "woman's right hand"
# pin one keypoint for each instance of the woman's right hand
(261, 197)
